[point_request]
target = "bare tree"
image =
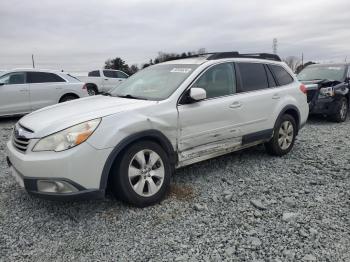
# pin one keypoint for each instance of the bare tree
(201, 51)
(293, 62)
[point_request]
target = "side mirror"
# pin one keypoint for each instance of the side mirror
(1, 84)
(198, 94)
(347, 80)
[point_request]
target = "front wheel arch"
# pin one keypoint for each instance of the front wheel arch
(148, 135)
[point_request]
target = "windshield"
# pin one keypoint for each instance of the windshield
(336, 73)
(157, 82)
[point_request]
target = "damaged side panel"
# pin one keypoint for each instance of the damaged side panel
(209, 150)
(164, 121)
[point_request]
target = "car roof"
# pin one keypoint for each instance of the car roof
(35, 70)
(203, 59)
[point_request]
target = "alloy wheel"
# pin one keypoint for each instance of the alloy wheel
(91, 91)
(285, 135)
(146, 173)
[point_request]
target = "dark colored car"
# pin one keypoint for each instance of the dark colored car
(328, 88)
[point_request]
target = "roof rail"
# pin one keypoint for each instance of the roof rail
(214, 56)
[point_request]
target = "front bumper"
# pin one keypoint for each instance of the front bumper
(79, 168)
(325, 105)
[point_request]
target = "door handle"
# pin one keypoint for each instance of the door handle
(120, 80)
(236, 105)
(276, 96)
(106, 79)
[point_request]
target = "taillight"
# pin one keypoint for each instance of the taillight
(303, 88)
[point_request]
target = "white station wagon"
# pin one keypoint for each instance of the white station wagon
(26, 90)
(166, 116)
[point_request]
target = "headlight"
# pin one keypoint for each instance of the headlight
(67, 138)
(327, 91)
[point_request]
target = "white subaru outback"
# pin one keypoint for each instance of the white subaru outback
(166, 116)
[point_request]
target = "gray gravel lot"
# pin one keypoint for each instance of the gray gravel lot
(246, 206)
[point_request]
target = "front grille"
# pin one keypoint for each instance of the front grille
(20, 143)
(21, 138)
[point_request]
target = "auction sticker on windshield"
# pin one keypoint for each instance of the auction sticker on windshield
(181, 70)
(334, 68)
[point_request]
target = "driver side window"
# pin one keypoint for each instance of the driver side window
(13, 78)
(218, 81)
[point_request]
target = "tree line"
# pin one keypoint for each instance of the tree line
(118, 63)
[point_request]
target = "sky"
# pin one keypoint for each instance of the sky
(79, 35)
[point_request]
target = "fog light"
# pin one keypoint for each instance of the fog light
(51, 186)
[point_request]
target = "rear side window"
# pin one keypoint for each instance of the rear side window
(253, 76)
(282, 76)
(43, 77)
(110, 74)
(122, 75)
(94, 73)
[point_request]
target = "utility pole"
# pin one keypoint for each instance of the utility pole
(346, 58)
(33, 60)
(274, 46)
(302, 59)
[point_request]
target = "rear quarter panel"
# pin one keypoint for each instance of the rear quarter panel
(292, 96)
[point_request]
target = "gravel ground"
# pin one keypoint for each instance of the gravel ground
(245, 206)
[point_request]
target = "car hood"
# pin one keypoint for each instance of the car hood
(54, 118)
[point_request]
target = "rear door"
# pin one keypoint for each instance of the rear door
(109, 80)
(14, 94)
(96, 78)
(121, 76)
(112, 78)
(45, 88)
(256, 100)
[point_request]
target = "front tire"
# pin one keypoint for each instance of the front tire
(283, 138)
(341, 112)
(141, 176)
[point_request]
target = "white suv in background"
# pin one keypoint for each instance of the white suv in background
(166, 116)
(25, 90)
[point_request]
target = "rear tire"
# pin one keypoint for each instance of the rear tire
(141, 175)
(67, 98)
(284, 134)
(342, 109)
(92, 90)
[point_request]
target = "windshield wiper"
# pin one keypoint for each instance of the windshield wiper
(131, 97)
(106, 94)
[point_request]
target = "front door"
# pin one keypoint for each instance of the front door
(14, 94)
(45, 88)
(210, 126)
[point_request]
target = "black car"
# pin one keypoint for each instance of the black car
(328, 87)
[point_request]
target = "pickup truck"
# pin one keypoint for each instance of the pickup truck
(100, 81)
